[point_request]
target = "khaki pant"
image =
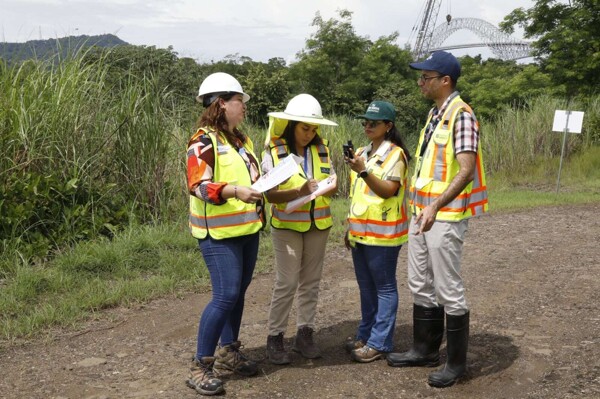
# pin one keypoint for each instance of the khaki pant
(434, 266)
(299, 266)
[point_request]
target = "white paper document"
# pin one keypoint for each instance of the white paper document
(324, 186)
(280, 173)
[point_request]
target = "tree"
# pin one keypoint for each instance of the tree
(126, 62)
(491, 85)
(567, 42)
(268, 87)
(328, 60)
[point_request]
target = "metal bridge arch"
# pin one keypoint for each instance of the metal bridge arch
(502, 45)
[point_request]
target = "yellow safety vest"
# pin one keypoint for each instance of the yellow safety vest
(373, 220)
(315, 212)
(234, 218)
(438, 166)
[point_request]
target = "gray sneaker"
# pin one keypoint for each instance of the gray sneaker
(230, 358)
(304, 343)
(276, 351)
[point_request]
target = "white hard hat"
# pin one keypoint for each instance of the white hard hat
(221, 82)
(303, 108)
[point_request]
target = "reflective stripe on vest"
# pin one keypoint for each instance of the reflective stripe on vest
(315, 212)
(373, 220)
(234, 218)
(437, 168)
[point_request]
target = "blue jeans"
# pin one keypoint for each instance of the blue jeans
(375, 269)
(230, 263)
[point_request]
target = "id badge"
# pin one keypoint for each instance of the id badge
(223, 149)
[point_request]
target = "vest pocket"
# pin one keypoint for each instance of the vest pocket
(358, 209)
(224, 152)
(441, 137)
(421, 182)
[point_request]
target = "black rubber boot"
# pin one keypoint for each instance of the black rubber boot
(457, 340)
(428, 331)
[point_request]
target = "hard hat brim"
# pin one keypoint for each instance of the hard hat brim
(245, 97)
(305, 119)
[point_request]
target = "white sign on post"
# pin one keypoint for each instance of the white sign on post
(570, 120)
(566, 122)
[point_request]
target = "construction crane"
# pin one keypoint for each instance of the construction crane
(426, 24)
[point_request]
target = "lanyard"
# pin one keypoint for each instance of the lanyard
(433, 122)
(305, 159)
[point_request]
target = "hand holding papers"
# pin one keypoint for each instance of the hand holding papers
(280, 173)
(323, 187)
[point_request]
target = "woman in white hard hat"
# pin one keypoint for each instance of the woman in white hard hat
(377, 228)
(300, 235)
(225, 216)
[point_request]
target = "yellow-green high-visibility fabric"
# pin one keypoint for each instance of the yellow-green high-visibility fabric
(234, 218)
(438, 166)
(316, 211)
(373, 220)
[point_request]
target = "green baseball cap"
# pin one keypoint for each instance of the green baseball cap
(379, 111)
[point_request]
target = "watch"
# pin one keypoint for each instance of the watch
(363, 174)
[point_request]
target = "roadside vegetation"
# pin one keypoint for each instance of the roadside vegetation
(93, 202)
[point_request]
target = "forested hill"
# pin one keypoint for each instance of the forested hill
(43, 49)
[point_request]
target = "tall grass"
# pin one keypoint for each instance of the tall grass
(80, 156)
(519, 138)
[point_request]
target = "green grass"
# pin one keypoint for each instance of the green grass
(140, 264)
(579, 183)
(504, 201)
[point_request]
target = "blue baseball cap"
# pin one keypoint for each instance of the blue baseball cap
(442, 62)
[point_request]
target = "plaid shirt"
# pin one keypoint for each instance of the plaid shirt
(466, 130)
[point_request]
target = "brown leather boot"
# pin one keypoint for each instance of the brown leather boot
(230, 358)
(276, 351)
(304, 344)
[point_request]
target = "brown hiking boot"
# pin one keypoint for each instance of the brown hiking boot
(230, 358)
(351, 344)
(366, 354)
(202, 378)
(275, 350)
(304, 344)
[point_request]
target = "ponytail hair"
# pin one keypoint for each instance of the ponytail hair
(395, 137)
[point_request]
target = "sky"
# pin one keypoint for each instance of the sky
(211, 30)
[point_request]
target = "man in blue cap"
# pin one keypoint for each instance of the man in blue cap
(448, 187)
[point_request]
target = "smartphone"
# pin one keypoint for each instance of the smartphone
(348, 149)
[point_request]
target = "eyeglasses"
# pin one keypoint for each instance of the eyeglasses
(371, 124)
(424, 78)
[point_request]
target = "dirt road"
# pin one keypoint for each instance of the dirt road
(533, 284)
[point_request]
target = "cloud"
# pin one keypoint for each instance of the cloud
(210, 30)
